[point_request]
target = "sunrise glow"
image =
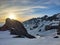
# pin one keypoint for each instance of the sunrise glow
(12, 16)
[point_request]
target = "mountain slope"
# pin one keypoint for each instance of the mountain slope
(36, 26)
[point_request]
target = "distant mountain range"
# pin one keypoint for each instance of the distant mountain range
(36, 26)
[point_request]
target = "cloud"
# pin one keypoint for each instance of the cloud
(52, 2)
(25, 7)
(19, 9)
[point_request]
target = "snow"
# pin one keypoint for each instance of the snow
(42, 41)
(42, 27)
(6, 39)
(44, 37)
(5, 34)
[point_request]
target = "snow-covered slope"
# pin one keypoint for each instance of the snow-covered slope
(6, 39)
(40, 30)
(36, 26)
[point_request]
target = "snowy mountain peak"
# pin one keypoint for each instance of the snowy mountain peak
(36, 26)
(58, 15)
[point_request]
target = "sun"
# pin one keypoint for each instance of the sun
(12, 16)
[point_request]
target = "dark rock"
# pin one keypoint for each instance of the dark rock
(31, 29)
(29, 36)
(58, 30)
(56, 37)
(44, 18)
(16, 28)
(39, 30)
(48, 27)
(37, 34)
(35, 26)
(58, 33)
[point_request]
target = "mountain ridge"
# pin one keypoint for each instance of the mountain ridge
(36, 26)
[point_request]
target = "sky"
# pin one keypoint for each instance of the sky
(26, 9)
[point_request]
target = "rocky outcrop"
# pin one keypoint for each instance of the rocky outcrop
(16, 28)
(47, 27)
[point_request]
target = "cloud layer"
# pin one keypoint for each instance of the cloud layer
(29, 8)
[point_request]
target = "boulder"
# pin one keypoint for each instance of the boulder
(16, 28)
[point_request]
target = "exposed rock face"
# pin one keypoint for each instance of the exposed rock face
(53, 27)
(48, 27)
(58, 31)
(16, 28)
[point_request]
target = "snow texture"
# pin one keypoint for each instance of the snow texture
(6, 39)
